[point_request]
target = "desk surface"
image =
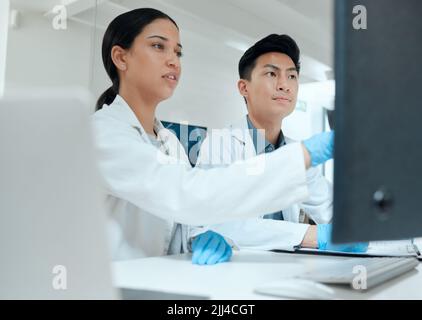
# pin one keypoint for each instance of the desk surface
(247, 270)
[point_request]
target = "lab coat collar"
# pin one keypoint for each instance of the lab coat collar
(121, 110)
(241, 135)
(279, 143)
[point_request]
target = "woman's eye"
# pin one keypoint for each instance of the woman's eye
(179, 54)
(158, 46)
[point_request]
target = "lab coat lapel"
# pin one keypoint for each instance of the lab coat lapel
(171, 143)
(240, 132)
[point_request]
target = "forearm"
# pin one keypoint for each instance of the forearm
(306, 156)
(310, 238)
(260, 234)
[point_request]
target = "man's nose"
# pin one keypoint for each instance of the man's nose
(282, 84)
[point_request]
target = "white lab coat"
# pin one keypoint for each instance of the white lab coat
(148, 191)
(258, 233)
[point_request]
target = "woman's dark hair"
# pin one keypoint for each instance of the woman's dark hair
(122, 31)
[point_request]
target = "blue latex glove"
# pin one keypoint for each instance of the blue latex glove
(320, 147)
(210, 248)
(324, 241)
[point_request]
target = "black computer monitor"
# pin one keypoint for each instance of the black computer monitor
(378, 116)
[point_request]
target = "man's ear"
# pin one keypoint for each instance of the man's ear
(118, 55)
(242, 85)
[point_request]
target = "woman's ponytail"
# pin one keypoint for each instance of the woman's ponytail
(108, 96)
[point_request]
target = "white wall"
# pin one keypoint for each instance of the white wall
(301, 124)
(4, 24)
(40, 56)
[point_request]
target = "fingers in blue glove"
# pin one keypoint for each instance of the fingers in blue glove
(210, 248)
(200, 241)
(198, 244)
(227, 254)
(215, 254)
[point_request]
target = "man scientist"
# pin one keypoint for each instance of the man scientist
(269, 84)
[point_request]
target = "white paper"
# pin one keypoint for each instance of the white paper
(381, 248)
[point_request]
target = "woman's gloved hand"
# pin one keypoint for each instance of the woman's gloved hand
(320, 147)
(324, 241)
(210, 248)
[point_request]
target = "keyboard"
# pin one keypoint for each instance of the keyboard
(352, 271)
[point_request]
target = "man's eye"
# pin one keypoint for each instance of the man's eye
(292, 76)
(271, 74)
(179, 54)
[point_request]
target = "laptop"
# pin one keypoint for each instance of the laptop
(52, 224)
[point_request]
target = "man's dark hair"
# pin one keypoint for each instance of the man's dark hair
(272, 43)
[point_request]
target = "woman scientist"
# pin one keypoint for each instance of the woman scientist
(151, 188)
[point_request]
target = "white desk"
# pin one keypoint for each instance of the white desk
(247, 269)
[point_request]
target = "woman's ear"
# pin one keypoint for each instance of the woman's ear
(242, 85)
(118, 55)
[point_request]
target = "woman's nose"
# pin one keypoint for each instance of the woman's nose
(174, 62)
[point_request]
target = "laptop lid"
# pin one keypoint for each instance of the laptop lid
(52, 224)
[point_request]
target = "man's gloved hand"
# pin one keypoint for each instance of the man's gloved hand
(210, 248)
(320, 147)
(324, 241)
